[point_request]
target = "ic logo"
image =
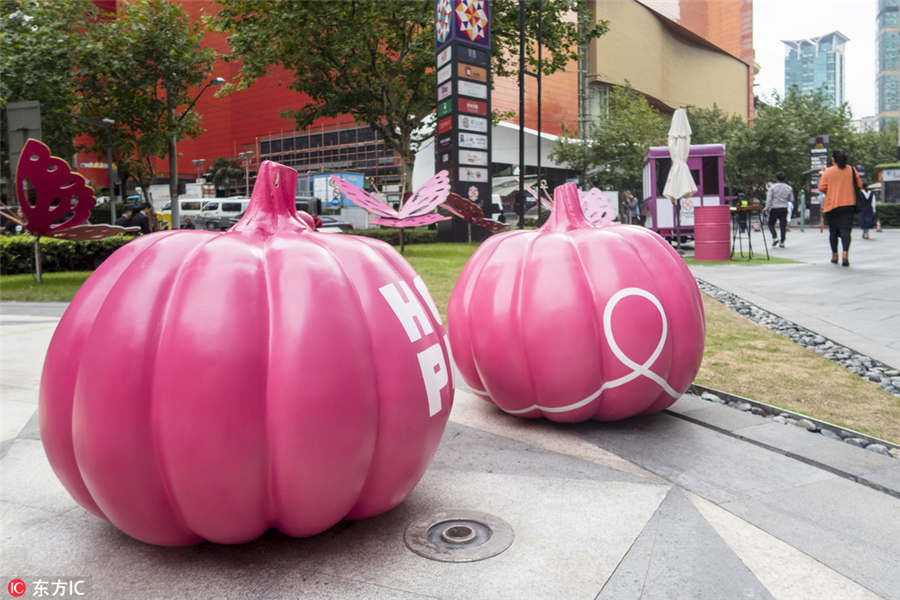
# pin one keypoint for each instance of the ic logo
(16, 588)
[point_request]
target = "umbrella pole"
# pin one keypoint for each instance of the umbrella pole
(678, 223)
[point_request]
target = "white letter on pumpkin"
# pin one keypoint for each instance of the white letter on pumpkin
(408, 312)
(434, 373)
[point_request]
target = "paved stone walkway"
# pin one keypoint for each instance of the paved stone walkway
(858, 306)
(654, 507)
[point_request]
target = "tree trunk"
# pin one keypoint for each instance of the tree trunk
(37, 259)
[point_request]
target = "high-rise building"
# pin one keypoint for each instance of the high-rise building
(887, 77)
(816, 64)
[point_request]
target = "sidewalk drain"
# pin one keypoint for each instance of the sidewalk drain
(458, 536)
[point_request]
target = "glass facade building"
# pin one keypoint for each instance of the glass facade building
(887, 69)
(816, 64)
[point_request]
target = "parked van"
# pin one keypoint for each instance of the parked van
(218, 214)
(188, 207)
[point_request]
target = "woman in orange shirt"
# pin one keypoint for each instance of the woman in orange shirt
(840, 203)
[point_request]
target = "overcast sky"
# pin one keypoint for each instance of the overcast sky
(776, 20)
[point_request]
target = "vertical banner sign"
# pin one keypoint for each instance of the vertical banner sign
(462, 30)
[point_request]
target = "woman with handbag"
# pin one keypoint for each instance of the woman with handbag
(839, 184)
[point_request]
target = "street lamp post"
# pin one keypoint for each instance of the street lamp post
(173, 155)
(106, 126)
(245, 162)
(198, 163)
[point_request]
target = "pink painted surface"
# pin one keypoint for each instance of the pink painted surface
(307, 218)
(413, 213)
(712, 233)
(58, 191)
(209, 386)
(574, 322)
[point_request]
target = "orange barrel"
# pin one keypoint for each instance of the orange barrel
(712, 233)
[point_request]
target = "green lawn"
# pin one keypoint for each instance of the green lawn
(755, 261)
(740, 357)
(56, 287)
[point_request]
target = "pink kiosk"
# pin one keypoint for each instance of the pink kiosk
(706, 164)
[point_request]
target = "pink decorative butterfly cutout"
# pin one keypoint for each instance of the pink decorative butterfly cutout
(470, 212)
(417, 210)
(62, 198)
(545, 201)
(594, 205)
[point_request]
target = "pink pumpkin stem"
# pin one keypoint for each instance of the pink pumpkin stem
(566, 213)
(272, 209)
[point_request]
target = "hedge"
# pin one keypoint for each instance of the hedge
(391, 235)
(17, 253)
(888, 214)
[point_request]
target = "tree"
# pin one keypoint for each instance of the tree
(40, 46)
(713, 125)
(374, 59)
(225, 172)
(613, 153)
(870, 148)
(139, 69)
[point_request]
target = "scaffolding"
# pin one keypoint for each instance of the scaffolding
(343, 146)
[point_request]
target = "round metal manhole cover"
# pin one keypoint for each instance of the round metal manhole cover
(458, 536)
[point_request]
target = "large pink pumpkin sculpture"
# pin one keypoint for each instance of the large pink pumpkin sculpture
(208, 386)
(573, 322)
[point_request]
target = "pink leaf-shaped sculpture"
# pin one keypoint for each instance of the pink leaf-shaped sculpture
(470, 212)
(92, 232)
(427, 197)
(413, 214)
(545, 200)
(596, 208)
(58, 191)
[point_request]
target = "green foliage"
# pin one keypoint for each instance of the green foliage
(40, 45)
(616, 144)
(139, 69)
(54, 287)
(225, 172)
(373, 59)
(391, 235)
(888, 214)
(17, 253)
(872, 148)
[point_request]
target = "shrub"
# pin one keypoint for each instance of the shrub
(17, 253)
(888, 214)
(391, 235)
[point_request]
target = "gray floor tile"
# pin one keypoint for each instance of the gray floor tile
(679, 555)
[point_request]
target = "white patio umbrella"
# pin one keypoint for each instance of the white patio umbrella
(679, 183)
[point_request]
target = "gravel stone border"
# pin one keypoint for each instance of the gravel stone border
(786, 417)
(883, 375)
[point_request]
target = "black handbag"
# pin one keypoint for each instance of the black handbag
(862, 201)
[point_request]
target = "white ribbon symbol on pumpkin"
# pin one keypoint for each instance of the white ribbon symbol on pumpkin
(637, 370)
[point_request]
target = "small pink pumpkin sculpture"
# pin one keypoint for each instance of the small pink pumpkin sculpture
(573, 322)
(208, 386)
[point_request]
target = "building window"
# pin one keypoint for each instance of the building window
(598, 100)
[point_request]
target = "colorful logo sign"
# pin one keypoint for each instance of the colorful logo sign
(471, 123)
(472, 72)
(442, 13)
(472, 106)
(445, 90)
(473, 174)
(444, 108)
(445, 124)
(472, 18)
(467, 88)
(473, 140)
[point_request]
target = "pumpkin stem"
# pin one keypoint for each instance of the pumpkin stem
(566, 213)
(272, 208)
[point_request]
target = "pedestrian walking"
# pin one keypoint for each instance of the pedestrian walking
(838, 184)
(779, 197)
(632, 211)
(867, 214)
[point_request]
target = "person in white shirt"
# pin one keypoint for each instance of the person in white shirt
(778, 199)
